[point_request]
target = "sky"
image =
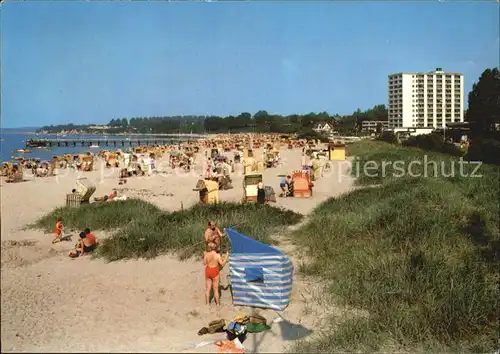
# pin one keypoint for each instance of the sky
(92, 61)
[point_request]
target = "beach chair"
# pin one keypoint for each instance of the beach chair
(250, 183)
(73, 200)
(337, 151)
(302, 187)
(208, 191)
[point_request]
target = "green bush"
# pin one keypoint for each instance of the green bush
(421, 255)
(433, 142)
(486, 150)
(140, 229)
(388, 137)
(309, 134)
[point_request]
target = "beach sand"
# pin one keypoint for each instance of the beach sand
(138, 305)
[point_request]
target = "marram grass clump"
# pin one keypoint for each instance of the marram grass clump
(100, 216)
(420, 255)
(141, 230)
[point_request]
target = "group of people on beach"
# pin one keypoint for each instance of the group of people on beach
(213, 166)
(86, 245)
(212, 258)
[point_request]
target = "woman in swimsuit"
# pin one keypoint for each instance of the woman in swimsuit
(212, 262)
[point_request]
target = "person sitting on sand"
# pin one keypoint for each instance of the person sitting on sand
(213, 234)
(58, 230)
(285, 186)
(41, 171)
(212, 262)
(90, 236)
(85, 246)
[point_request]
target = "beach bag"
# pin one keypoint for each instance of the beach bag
(257, 327)
(257, 319)
(236, 330)
(213, 327)
(270, 194)
(216, 326)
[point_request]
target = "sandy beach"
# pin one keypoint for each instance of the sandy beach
(139, 305)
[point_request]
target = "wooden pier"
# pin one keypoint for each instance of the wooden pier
(33, 143)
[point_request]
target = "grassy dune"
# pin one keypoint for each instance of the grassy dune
(421, 255)
(141, 230)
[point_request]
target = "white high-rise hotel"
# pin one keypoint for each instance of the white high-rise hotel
(425, 100)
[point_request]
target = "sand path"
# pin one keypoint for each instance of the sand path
(130, 306)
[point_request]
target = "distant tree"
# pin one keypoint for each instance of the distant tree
(115, 122)
(294, 118)
(261, 118)
(309, 120)
(246, 116)
(124, 122)
(484, 103)
(309, 134)
(388, 137)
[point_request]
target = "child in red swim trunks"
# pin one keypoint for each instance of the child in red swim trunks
(212, 262)
(58, 229)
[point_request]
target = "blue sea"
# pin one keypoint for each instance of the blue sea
(12, 140)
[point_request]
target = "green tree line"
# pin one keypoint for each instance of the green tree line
(261, 121)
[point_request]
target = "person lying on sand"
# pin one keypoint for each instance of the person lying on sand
(58, 230)
(107, 197)
(111, 195)
(213, 263)
(213, 234)
(85, 246)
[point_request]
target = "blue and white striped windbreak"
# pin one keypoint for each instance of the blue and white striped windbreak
(261, 276)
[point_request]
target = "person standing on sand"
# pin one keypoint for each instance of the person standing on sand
(261, 193)
(213, 234)
(213, 262)
(58, 230)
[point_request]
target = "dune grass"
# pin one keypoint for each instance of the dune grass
(142, 230)
(421, 255)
